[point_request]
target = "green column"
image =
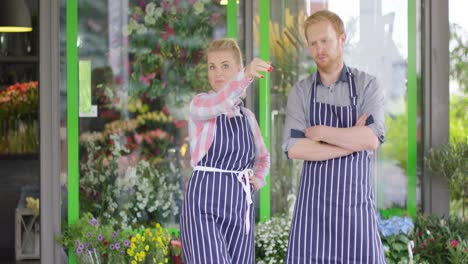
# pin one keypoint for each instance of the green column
(72, 113)
(231, 17)
(264, 99)
(412, 109)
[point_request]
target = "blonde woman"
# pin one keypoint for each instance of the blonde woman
(230, 161)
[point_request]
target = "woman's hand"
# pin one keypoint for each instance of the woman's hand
(256, 66)
(255, 182)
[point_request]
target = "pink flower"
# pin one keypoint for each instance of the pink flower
(142, 4)
(192, 1)
(454, 243)
(166, 6)
(148, 139)
(138, 138)
(176, 243)
(146, 79)
(214, 18)
(168, 32)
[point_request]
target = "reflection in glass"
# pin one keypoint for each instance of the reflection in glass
(145, 67)
(376, 43)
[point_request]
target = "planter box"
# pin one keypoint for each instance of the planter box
(27, 235)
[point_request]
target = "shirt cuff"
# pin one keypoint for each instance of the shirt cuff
(377, 132)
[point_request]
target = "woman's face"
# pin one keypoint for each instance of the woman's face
(221, 68)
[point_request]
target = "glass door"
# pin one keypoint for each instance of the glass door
(132, 67)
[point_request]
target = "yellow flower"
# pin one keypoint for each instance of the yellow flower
(138, 236)
(146, 247)
(130, 252)
(33, 204)
(134, 262)
(133, 240)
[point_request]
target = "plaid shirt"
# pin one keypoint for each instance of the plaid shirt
(204, 109)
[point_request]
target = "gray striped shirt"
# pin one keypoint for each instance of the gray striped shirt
(370, 102)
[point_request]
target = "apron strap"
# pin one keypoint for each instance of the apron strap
(352, 87)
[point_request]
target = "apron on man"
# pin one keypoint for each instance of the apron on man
(334, 217)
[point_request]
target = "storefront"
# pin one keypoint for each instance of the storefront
(116, 77)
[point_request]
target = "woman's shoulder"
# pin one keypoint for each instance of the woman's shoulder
(248, 113)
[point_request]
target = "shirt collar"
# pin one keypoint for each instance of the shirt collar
(343, 76)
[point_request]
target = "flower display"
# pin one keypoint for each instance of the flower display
(167, 39)
(20, 101)
(151, 246)
(271, 240)
(126, 190)
(441, 240)
(19, 106)
(395, 225)
(94, 242)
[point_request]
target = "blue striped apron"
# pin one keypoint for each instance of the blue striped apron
(216, 217)
(334, 219)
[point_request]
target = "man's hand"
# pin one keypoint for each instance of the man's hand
(362, 120)
(315, 133)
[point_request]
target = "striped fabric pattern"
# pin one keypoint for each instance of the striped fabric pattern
(335, 219)
(213, 218)
(205, 108)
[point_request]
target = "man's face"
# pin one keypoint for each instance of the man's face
(221, 68)
(325, 45)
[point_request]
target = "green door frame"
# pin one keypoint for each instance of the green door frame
(72, 115)
(411, 170)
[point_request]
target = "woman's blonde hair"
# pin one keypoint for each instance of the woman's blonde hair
(226, 44)
(325, 16)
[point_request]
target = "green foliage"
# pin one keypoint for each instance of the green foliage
(451, 161)
(459, 57)
(458, 118)
(396, 248)
(396, 145)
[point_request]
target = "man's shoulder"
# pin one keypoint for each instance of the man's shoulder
(361, 75)
(305, 83)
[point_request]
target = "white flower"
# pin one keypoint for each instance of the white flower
(150, 8)
(158, 12)
(198, 7)
(127, 30)
(142, 30)
(149, 20)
